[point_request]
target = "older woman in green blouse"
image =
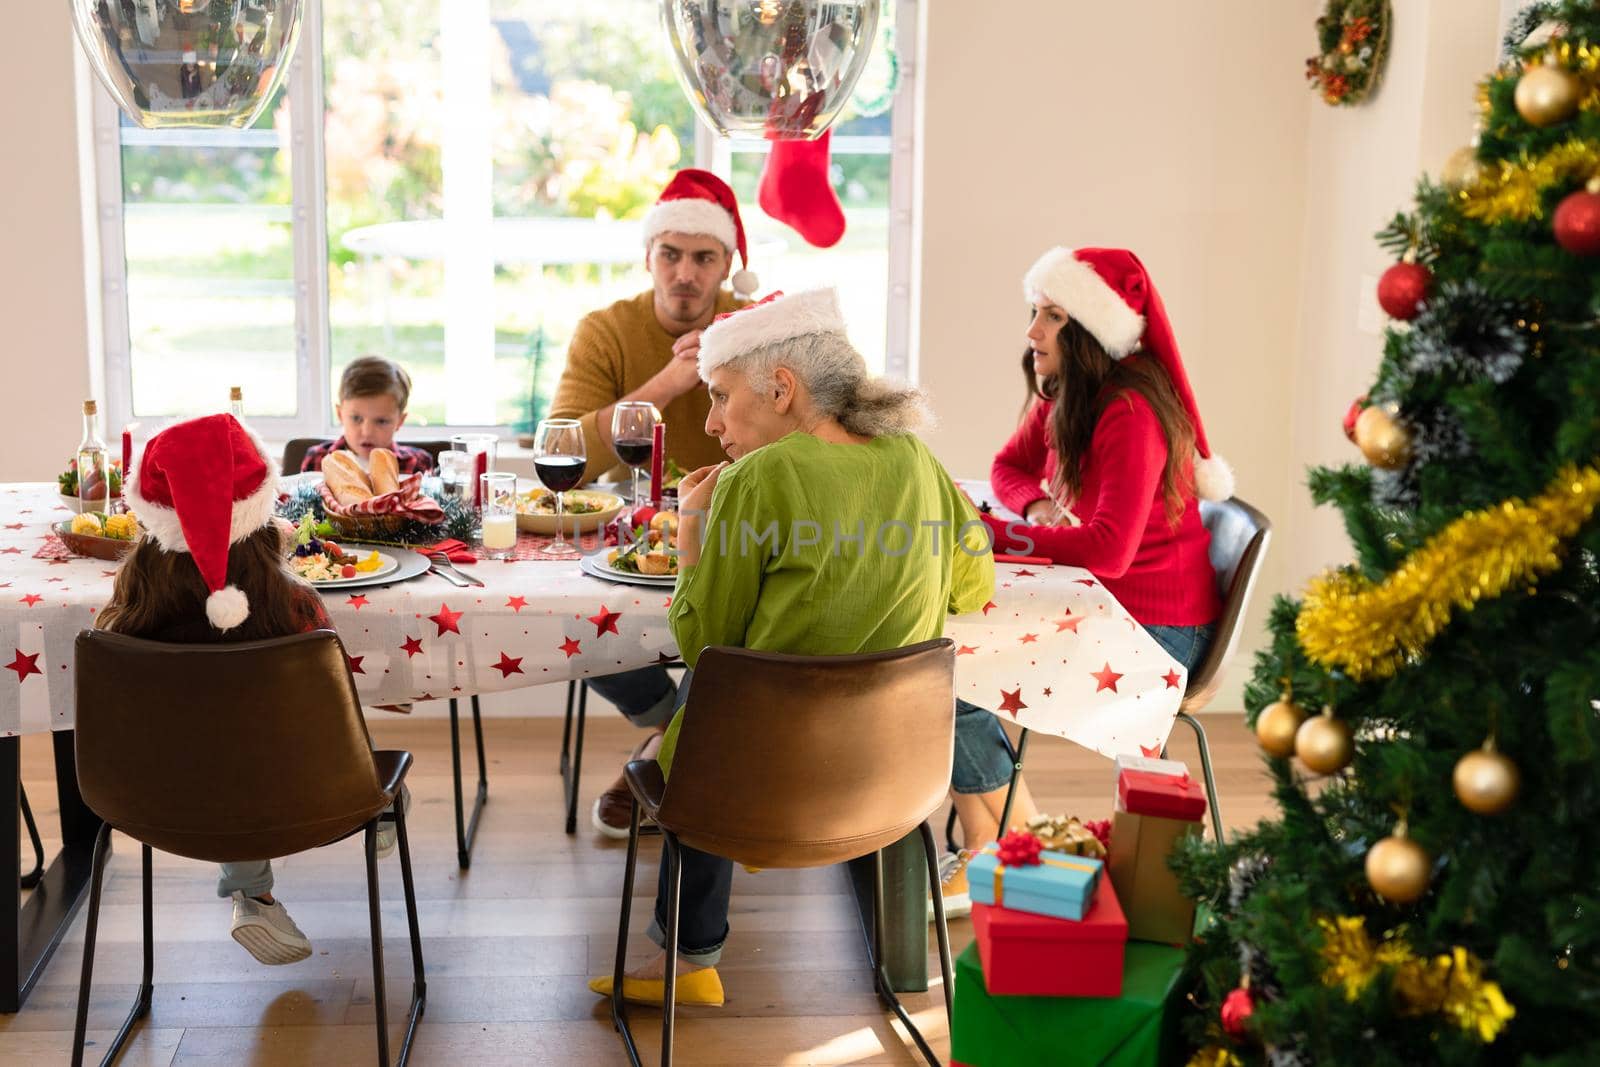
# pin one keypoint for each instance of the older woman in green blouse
(832, 530)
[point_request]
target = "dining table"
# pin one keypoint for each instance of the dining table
(1050, 650)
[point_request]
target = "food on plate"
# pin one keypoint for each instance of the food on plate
(672, 474)
(122, 527)
(345, 479)
(385, 471)
(575, 502)
(653, 552)
(320, 560)
(665, 520)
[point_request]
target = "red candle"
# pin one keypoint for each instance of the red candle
(658, 461)
(127, 453)
(480, 465)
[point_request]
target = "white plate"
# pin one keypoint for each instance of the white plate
(388, 566)
(597, 566)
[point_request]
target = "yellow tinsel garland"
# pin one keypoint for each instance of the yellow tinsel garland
(1450, 985)
(1368, 630)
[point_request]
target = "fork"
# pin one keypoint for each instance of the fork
(441, 560)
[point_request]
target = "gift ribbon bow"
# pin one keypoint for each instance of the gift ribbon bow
(1048, 861)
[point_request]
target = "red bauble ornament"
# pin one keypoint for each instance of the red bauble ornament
(1402, 289)
(1237, 1008)
(1577, 222)
(1357, 406)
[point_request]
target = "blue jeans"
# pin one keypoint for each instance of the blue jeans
(983, 761)
(647, 696)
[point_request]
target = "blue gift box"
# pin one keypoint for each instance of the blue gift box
(1061, 885)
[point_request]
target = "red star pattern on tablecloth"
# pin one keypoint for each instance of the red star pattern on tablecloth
(605, 621)
(1090, 582)
(570, 647)
(1070, 622)
(357, 601)
(990, 606)
(11, 551)
(1012, 702)
(355, 664)
(31, 599)
(507, 665)
(1105, 678)
(1025, 573)
(1153, 752)
(446, 620)
(1171, 678)
(1047, 690)
(1029, 639)
(517, 603)
(966, 650)
(412, 646)
(14, 525)
(25, 665)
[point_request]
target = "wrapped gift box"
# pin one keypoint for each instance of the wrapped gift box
(1036, 955)
(1174, 767)
(1136, 1029)
(1060, 884)
(1167, 795)
(1147, 888)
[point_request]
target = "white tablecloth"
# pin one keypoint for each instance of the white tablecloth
(1052, 651)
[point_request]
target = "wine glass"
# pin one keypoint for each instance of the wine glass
(559, 458)
(633, 424)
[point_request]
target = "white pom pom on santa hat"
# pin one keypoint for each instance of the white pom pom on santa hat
(227, 607)
(1213, 478)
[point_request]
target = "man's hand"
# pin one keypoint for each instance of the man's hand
(682, 375)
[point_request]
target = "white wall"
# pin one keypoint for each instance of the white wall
(44, 353)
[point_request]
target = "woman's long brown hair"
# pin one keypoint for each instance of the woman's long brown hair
(1089, 382)
(160, 594)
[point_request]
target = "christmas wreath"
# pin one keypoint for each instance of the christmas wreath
(1353, 41)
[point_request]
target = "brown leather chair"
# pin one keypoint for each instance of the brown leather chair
(228, 752)
(1239, 536)
(800, 761)
(294, 453)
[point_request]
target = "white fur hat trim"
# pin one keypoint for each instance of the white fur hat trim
(779, 319)
(692, 216)
(1058, 277)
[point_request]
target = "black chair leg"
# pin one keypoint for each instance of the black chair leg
(946, 966)
(669, 993)
(380, 1006)
(880, 978)
(572, 763)
(419, 981)
(566, 728)
(467, 826)
(31, 879)
(141, 1004)
(619, 1010)
(1016, 776)
(1205, 768)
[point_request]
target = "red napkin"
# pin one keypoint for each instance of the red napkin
(1039, 561)
(455, 551)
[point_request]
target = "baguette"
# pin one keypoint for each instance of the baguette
(385, 471)
(345, 478)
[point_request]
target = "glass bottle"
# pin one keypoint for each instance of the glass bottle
(94, 460)
(236, 402)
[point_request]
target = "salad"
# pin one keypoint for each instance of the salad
(652, 552)
(317, 559)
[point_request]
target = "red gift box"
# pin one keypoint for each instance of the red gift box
(1036, 955)
(1168, 796)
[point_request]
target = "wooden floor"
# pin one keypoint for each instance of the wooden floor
(510, 943)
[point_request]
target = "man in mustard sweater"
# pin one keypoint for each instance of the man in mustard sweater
(647, 348)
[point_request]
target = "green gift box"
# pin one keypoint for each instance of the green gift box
(1137, 1028)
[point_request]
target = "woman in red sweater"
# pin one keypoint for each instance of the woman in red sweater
(1105, 468)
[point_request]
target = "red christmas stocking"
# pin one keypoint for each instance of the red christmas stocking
(795, 190)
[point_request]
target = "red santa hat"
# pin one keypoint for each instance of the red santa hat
(1110, 293)
(698, 202)
(199, 487)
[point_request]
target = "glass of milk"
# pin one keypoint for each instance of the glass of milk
(498, 527)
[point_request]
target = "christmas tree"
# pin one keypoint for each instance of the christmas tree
(1430, 892)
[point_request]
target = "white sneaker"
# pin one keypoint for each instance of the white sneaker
(953, 885)
(267, 932)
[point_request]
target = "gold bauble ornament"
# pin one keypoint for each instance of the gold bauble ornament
(1547, 94)
(1397, 868)
(1382, 439)
(1461, 169)
(1324, 743)
(1276, 727)
(1486, 781)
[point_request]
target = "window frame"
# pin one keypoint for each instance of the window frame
(308, 226)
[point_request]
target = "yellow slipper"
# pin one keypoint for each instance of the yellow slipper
(702, 987)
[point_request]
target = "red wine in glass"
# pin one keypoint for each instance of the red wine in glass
(634, 451)
(560, 473)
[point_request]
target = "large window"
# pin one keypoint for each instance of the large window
(474, 189)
